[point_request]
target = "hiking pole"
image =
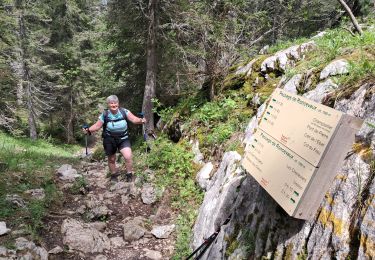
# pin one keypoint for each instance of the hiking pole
(207, 242)
(142, 115)
(86, 127)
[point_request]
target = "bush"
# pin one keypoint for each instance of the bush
(175, 172)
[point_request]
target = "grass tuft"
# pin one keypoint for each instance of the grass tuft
(25, 165)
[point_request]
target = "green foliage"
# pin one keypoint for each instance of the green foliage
(28, 165)
(80, 184)
(358, 70)
(233, 81)
(338, 42)
(99, 153)
(221, 132)
(6, 209)
(248, 241)
(284, 44)
(215, 111)
(36, 211)
(175, 173)
(184, 224)
(166, 113)
(22, 153)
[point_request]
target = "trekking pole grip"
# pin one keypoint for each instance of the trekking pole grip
(86, 127)
(141, 115)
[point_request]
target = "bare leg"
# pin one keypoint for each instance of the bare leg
(112, 163)
(127, 153)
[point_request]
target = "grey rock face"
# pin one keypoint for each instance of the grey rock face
(247, 69)
(98, 212)
(198, 156)
(320, 34)
(16, 200)
(163, 231)
(336, 67)
(3, 228)
(134, 229)
(82, 237)
(255, 101)
(362, 106)
(286, 58)
(219, 197)
(321, 91)
(117, 242)
(120, 188)
(100, 226)
(152, 254)
(56, 250)
(253, 124)
(26, 249)
(341, 229)
(67, 173)
(148, 194)
(292, 85)
(264, 50)
(100, 257)
(204, 175)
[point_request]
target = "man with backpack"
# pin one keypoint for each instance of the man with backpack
(114, 122)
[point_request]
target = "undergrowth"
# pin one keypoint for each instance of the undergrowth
(214, 123)
(175, 173)
(26, 165)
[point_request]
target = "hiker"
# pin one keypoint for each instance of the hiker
(115, 135)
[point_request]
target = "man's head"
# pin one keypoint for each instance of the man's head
(112, 102)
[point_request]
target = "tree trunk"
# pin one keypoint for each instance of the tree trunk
(212, 90)
(20, 69)
(30, 106)
(150, 84)
(349, 12)
(69, 126)
(26, 79)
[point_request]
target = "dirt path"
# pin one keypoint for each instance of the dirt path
(109, 220)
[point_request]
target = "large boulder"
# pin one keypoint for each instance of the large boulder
(152, 254)
(162, 231)
(321, 91)
(3, 228)
(204, 175)
(198, 156)
(148, 194)
(66, 172)
(293, 84)
(341, 229)
(336, 67)
(219, 198)
(15, 200)
(134, 229)
(24, 249)
(283, 59)
(247, 69)
(83, 237)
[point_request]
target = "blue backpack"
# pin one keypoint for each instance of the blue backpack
(106, 120)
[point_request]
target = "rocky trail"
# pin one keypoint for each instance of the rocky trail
(101, 219)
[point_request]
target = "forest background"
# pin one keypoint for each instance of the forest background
(59, 59)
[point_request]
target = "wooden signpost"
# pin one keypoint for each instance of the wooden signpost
(297, 150)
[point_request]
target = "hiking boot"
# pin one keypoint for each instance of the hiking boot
(114, 177)
(129, 177)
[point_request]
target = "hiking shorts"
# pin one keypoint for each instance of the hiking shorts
(113, 144)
